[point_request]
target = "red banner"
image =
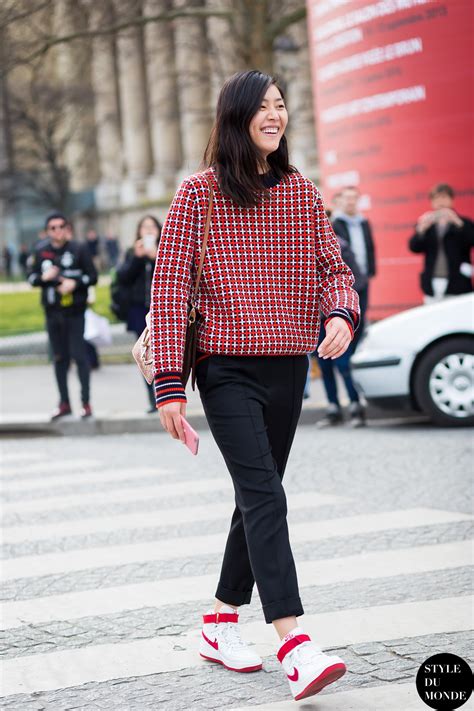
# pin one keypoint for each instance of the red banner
(393, 92)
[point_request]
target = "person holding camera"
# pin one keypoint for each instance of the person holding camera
(64, 271)
(135, 275)
(446, 240)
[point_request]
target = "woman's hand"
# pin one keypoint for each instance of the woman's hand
(338, 338)
(170, 418)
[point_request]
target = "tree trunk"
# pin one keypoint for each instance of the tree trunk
(257, 49)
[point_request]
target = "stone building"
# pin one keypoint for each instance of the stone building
(149, 95)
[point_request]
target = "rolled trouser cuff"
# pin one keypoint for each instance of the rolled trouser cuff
(288, 607)
(233, 597)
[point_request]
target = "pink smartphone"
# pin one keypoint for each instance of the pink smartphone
(192, 437)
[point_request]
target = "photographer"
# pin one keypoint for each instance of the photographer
(64, 271)
(135, 275)
(446, 240)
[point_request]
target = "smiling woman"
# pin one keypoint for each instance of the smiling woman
(248, 138)
(271, 264)
(268, 125)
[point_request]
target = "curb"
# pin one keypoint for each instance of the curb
(73, 427)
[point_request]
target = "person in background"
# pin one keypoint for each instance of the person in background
(136, 274)
(334, 415)
(446, 239)
(23, 260)
(355, 229)
(336, 202)
(93, 245)
(63, 270)
(7, 256)
(112, 249)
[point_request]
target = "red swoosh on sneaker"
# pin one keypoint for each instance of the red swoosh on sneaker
(213, 644)
(294, 676)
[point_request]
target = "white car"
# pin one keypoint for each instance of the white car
(422, 358)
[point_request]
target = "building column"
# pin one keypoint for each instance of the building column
(8, 228)
(134, 110)
(109, 141)
(193, 86)
(224, 51)
(163, 100)
(73, 72)
(293, 63)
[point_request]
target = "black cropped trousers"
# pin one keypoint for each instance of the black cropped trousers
(252, 404)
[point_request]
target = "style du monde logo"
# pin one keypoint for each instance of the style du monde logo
(444, 682)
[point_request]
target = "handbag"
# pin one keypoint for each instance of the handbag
(142, 351)
(97, 329)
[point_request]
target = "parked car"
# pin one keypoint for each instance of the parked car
(422, 359)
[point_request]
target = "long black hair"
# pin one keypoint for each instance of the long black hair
(231, 151)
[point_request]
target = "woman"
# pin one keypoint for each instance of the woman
(135, 274)
(272, 263)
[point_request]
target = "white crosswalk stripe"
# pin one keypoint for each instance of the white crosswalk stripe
(36, 468)
(49, 502)
(110, 600)
(88, 558)
(94, 475)
(144, 519)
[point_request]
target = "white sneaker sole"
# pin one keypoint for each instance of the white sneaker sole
(208, 652)
(327, 676)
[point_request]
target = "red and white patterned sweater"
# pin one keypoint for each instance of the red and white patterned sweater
(268, 273)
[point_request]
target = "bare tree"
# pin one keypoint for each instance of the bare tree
(256, 24)
(39, 108)
(39, 170)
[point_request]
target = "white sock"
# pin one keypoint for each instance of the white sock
(293, 633)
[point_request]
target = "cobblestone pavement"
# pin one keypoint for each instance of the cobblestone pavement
(121, 634)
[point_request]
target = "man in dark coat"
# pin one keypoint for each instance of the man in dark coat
(355, 229)
(446, 239)
(64, 271)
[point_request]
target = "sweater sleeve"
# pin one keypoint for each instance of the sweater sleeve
(335, 290)
(170, 291)
(417, 242)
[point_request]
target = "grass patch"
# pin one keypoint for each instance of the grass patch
(21, 312)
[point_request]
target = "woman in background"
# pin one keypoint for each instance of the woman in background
(136, 274)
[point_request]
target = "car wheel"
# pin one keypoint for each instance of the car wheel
(444, 382)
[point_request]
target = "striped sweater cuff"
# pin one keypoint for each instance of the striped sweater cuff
(169, 388)
(350, 317)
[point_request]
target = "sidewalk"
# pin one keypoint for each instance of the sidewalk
(119, 401)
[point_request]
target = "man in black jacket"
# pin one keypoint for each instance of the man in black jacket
(63, 269)
(446, 240)
(355, 229)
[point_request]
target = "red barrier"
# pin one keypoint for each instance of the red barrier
(393, 93)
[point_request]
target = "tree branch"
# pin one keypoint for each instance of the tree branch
(22, 15)
(119, 27)
(276, 28)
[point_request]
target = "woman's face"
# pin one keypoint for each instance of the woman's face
(269, 123)
(148, 227)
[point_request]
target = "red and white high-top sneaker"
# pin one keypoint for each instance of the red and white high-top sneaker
(221, 642)
(307, 667)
